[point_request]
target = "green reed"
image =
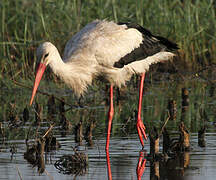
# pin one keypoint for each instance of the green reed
(25, 24)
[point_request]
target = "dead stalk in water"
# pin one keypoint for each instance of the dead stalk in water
(162, 129)
(47, 132)
(48, 174)
(17, 168)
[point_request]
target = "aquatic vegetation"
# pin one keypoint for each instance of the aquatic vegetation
(192, 102)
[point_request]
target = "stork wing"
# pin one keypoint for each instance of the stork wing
(112, 44)
(79, 41)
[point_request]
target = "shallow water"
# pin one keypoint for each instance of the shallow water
(199, 163)
(124, 154)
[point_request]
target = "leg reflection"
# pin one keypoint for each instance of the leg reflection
(108, 166)
(141, 164)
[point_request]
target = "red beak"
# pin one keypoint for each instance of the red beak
(40, 71)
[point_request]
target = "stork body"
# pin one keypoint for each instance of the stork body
(113, 51)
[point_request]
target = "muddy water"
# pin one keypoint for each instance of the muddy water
(198, 163)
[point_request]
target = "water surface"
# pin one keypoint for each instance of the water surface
(124, 144)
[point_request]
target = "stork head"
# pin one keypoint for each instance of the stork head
(45, 53)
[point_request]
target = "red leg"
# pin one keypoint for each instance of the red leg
(140, 125)
(110, 116)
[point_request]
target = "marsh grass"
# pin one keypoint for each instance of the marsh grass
(25, 24)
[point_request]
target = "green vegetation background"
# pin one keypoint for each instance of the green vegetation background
(26, 23)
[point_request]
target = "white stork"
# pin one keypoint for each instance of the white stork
(113, 51)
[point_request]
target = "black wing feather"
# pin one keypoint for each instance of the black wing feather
(151, 45)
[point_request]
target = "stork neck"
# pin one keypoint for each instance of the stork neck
(57, 64)
(72, 73)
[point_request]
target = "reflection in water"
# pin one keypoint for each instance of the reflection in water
(108, 166)
(141, 164)
(163, 168)
(201, 137)
(139, 169)
(175, 167)
(154, 170)
(123, 158)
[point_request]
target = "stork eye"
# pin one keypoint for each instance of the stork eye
(46, 55)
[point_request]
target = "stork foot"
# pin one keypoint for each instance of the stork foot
(141, 131)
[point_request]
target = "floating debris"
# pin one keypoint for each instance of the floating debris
(73, 164)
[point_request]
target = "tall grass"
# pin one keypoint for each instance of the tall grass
(25, 24)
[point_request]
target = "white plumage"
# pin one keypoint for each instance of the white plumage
(93, 51)
(113, 51)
